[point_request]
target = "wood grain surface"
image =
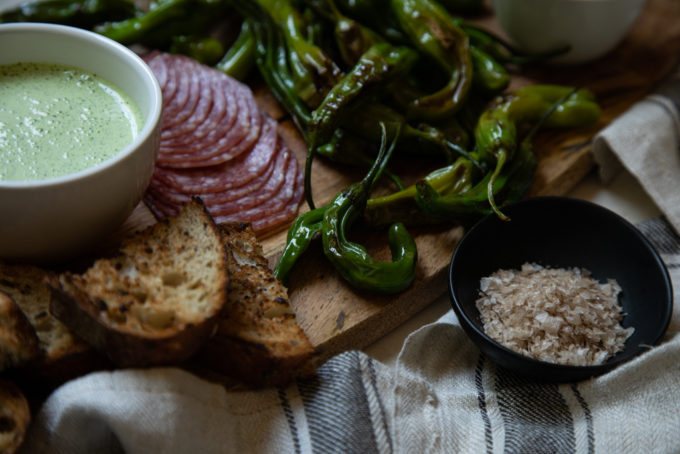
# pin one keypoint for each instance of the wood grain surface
(338, 318)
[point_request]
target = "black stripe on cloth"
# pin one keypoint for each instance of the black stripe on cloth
(481, 399)
(337, 409)
(383, 414)
(290, 418)
(536, 417)
(590, 430)
(660, 233)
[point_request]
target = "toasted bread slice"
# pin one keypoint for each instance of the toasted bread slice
(25, 285)
(258, 340)
(18, 340)
(15, 415)
(155, 302)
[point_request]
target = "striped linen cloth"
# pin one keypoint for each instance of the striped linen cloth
(441, 396)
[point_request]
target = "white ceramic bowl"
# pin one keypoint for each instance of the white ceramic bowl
(57, 218)
(590, 27)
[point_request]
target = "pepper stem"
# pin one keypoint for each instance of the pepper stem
(502, 155)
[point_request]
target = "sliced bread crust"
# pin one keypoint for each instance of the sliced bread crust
(15, 415)
(155, 302)
(18, 340)
(61, 355)
(258, 340)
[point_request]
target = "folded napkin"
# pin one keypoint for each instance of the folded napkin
(441, 396)
(645, 140)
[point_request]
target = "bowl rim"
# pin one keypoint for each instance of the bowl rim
(151, 121)
(589, 370)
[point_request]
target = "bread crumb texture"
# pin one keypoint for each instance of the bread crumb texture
(18, 341)
(166, 278)
(557, 315)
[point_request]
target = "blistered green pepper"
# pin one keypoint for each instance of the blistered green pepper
(433, 31)
(496, 134)
(351, 37)
(272, 60)
(204, 49)
(457, 193)
(78, 13)
(490, 77)
(313, 72)
(402, 206)
(351, 259)
(239, 59)
(381, 63)
(300, 235)
(348, 149)
(509, 186)
(164, 21)
(376, 15)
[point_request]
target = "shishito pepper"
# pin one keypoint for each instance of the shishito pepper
(348, 149)
(204, 49)
(239, 59)
(300, 235)
(433, 32)
(272, 60)
(379, 64)
(497, 129)
(78, 13)
(401, 205)
(351, 37)
(512, 184)
(164, 21)
(351, 259)
(490, 77)
(376, 15)
(456, 193)
(313, 72)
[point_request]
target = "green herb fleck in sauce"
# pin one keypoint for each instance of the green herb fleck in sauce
(56, 120)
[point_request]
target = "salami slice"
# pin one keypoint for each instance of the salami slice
(172, 195)
(169, 88)
(263, 210)
(190, 120)
(221, 144)
(270, 207)
(287, 214)
(221, 118)
(153, 60)
(284, 164)
(186, 98)
(196, 127)
(229, 175)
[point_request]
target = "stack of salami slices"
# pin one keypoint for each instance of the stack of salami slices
(217, 144)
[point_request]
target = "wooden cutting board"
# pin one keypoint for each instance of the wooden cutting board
(338, 318)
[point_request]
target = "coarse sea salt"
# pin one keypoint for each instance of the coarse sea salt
(558, 315)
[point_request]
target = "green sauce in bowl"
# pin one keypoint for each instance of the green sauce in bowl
(56, 120)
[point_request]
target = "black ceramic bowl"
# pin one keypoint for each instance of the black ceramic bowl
(560, 232)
